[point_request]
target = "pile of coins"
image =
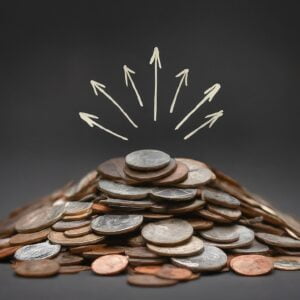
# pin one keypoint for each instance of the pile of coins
(159, 219)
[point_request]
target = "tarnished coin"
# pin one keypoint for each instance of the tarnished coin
(167, 232)
(149, 281)
(150, 270)
(74, 269)
(179, 175)
(67, 259)
(279, 241)
(246, 237)
(43, 268)
(211, 259)
(63, 226)
(251, 265)
(147, 159)
(151, 175)
(37, 251)
(40, 219)
(59, 238)
(171, 272)
(198, 174)
(286, 263)
(135, 261)
(154, 216)
(77, 208)
(7, 252)
(104, 250)
(221, 234)
(78, 232)
(127, 203)
(206, 214)
(200, 224)
(85, 248)
(119, 190)
(255, 248)
(116, 224)
(228, 213)
(29, 238)
(192, 247)
(220, 198)
(110, 264)
(173, 194)
(140, 252)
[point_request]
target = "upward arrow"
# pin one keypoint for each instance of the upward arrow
(184, 73)
(213, 119)
(127, 74)
(155, 59)
(99, 87)
(90, 120)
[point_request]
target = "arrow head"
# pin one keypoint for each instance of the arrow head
(184, 73)
(155, 57)
(214, 117)
(127, 72)
(88, 118)
(212, 91)
(97, 86)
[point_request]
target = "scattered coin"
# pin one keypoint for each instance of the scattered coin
(37, 251)
(154, 216)
(136, 241)
(173, 194)
(255, 248)
(104, 250)
(286, 263)
(67, 259)
(251, 265)
(63, 225)
(110, 264)
(7, 252)
(280, 241)
(206, 214)
(4, 243)
(73, 269)
(116, 224)
(167, 232)
(113, 168)
(99, 208)
(78, 232)
(150, 270)
(77, 208)
(85, 248)
(200, 224)
(149, 281)
(44, 268)
(220, 198)
(29, 238)
(78, 217)
(221, 234)
(211, 259)
(140, 252)
(285, 251)
(127, 203)
(228, 213)
(171, 272)
(134, 261)
(185, 207)
(147, 160)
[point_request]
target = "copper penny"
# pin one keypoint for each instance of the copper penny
(73, 269)
(85, 248)
(140, 252)
(149, 281)
(251, 265)
(228, 213)
(104, 250)
(172, 272)
(29, 238)
(150, 270)
(134, 261)
(212, 216)
(99, 208)
(67, 259)
(110, 264)
(78, 232)
(78, 217)
(4, 243)
(41, 268)
(200, 224)
(6, 252)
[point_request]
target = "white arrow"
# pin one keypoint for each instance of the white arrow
(99, 87)
(156, 60)
(89, 119)
(127, 72)
(184, 73)
(210, 94)
(214, 117)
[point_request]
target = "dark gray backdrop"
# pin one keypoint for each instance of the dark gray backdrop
(51, 49)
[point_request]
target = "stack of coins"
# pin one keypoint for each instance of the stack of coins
(161, 220)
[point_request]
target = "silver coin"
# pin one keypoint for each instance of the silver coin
(173, 194)
(75, 208)
(40, 219)
(119, 190)
(220, 198)
(221, 234)
(191, 247)
(37, 251)
(67, 225)
(255, 248)
(211, 259)
(147, 159)
(286, 263)
(127, 203)
(167, 232)
(279, 241)
(111, 224)
(246, 237)
(229, 213)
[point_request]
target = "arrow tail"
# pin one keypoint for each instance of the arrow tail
(136, 92)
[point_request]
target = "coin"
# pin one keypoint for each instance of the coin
(251, 265)
(43, 268)
(220, 198)
(39, 219)
(221, 234)
(173, 194)
(29, 238)
(78, 217)
(113, 168)
(136, 241)
(127, 203)
(200, 224)
(63, 226)
(59, 238)
(110, 264)
(73, 269)
(7, 252)
(285, 251)
(85, 248)
(286, 263)
(134, 261)
(211, 259)
(140, 252)
(198, 174)
(171, 272)
(151, 175)
(150, 270)
(192, 247)
(180, 174)
(280, 241)
(255, 248)
(123, 191)
(167, 232)
(77, 208)
(206, 214)
(37, 251)
(78, 232)
(228, 213)
(154, 216)
(147, 159)
(99, 208)
(149, 281)
(4, 243)
(116, 224)
(104, 250)
(185, 207)
(67, 259)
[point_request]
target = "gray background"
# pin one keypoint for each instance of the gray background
(51, 49)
